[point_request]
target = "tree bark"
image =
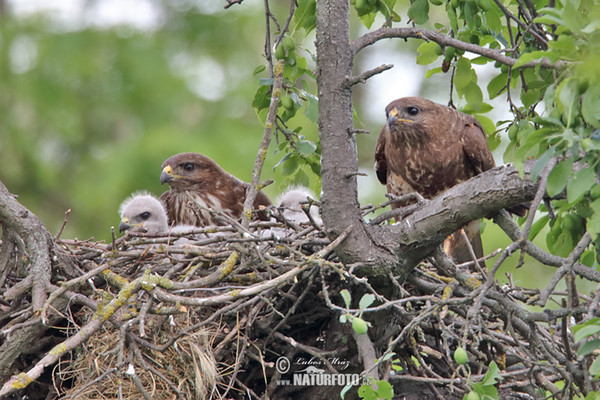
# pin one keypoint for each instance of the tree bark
(339, 159)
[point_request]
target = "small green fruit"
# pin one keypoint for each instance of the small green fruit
(359, 325)
(460, 356)
(280, 52)
(472, 396)
(512, 133)
(436, 2)
(287, 102)
(485, 5)
(288, 43)
(595, 192)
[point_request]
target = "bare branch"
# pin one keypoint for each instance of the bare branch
(443, 40)
(264, 146)
(362, 78)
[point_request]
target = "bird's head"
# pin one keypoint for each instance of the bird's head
(412, 117)
(186, 170)
(143, 213)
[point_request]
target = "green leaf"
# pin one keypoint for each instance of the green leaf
(595, 367)
(259, 69)
(497, 85)
(419, 11)
(311, 110)
(571, 16)
(262, 99)
(582, 181)
(588, 347)
(427, 53)
(590, 106)
(366, 301)
(306, 147)
(290, 164)
(558, 177)
(431, 72)
(368, 19)
(473, 95)
(538, 226)
(576, 328)
(492, 376)
(493, 20)
(528, 57)
(305, 15)
(470, 13)
(567, 98)
(588, 258)
(541, 163)
(346, 296)
(529, 97)
(367, 392)
(266, 81)
(384, 390)
(464, 73)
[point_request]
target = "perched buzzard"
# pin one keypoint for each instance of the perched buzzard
(143, 212)
(428, 148)
(198, 185)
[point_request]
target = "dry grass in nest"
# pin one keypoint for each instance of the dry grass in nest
(99, 372)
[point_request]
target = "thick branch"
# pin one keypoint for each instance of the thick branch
(444, 40)
(38, 241)
(482, 196)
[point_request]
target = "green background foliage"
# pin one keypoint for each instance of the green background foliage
(90, 112)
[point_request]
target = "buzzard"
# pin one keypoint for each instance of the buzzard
(428, 148)
(143, 212)
(198, 186)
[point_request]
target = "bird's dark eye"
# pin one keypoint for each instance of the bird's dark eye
(145, 215)
(412, 110)
(189, 167)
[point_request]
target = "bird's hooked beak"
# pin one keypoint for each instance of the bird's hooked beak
(124, 224)
(166, 175)
(393, 117)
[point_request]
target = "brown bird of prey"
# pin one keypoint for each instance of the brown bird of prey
(428, 148)
(198, 185)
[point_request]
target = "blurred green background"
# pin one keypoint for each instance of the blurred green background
(95, 98)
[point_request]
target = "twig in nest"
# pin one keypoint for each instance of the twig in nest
(62, 227)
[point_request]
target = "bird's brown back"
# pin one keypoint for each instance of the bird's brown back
(199, 184)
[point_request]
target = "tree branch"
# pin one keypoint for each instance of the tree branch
(444, 40)
(37, 240)
(479, 197)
